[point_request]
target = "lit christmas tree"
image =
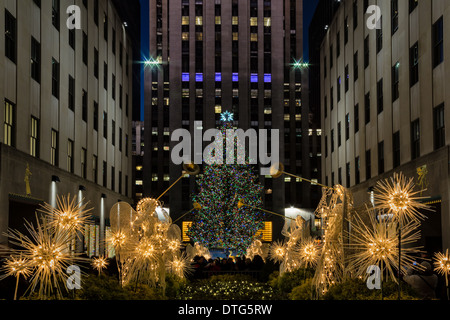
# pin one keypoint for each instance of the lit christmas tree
(220, 224)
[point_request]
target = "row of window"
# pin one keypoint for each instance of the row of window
(439, 142)
(10, 140)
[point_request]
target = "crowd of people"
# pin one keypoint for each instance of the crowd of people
(203, 267)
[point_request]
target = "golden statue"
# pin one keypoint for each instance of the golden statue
(27, 179)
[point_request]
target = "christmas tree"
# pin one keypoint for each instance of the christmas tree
(220, 224)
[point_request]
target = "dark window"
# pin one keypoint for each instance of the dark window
(381, 157)
(332, 140)
(439, 127)
(396, 149)
(395, 81)
(96, 12)
(71, 93)
(394, 15)
(415, 139)
(85, 48)
(355, 14)
(84, 106)
(10, 36)
(95, 168)
(368, 165)
(120, 139)
(105, 174)
(412, 5)
(105, 76)
(367, 107)
(326, 147)
(414, 64)
(113, 132)
(55, 78)
(325, 107)
(347, 127)
(83, 163)
(126, 145)
(380, 106)
(96, 65)
(380, 36)
(356, 114)
(113, 91)
(366, 52)
(70, 156)
(325, 67)
(339, 134)
(355, 66)
(340, 176)
(95, 116)
(37, 2)
(347, 78)
(346, 30)
(35, 60)
(105, 125)
(72, 38)
(105, 27)
(339, 89)
(55, 13)
(438, 42)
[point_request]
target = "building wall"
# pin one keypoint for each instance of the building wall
(414, 102)
(35, 99)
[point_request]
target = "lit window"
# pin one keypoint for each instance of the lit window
(267, 22)
(298, 117)
(139, 182)
(166, 148)
(154, 177)
(199, 36)
(235, 36)
(254, 37)
(218, 109)
(166, 177)
(185, 20)
(199, 21)
(287, 117)
(287, 179)
(218, 20)
(235, 20)
(267, 110)
(185, 36)
(253, 21)
(139, 168)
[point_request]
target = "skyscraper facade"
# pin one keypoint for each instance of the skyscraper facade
(209, 57)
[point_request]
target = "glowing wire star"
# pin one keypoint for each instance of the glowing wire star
(299, 64)
(99, 264)
(377, 244)
(397, 197)
(227, 116)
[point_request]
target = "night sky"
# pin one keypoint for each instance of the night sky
(309, 6)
